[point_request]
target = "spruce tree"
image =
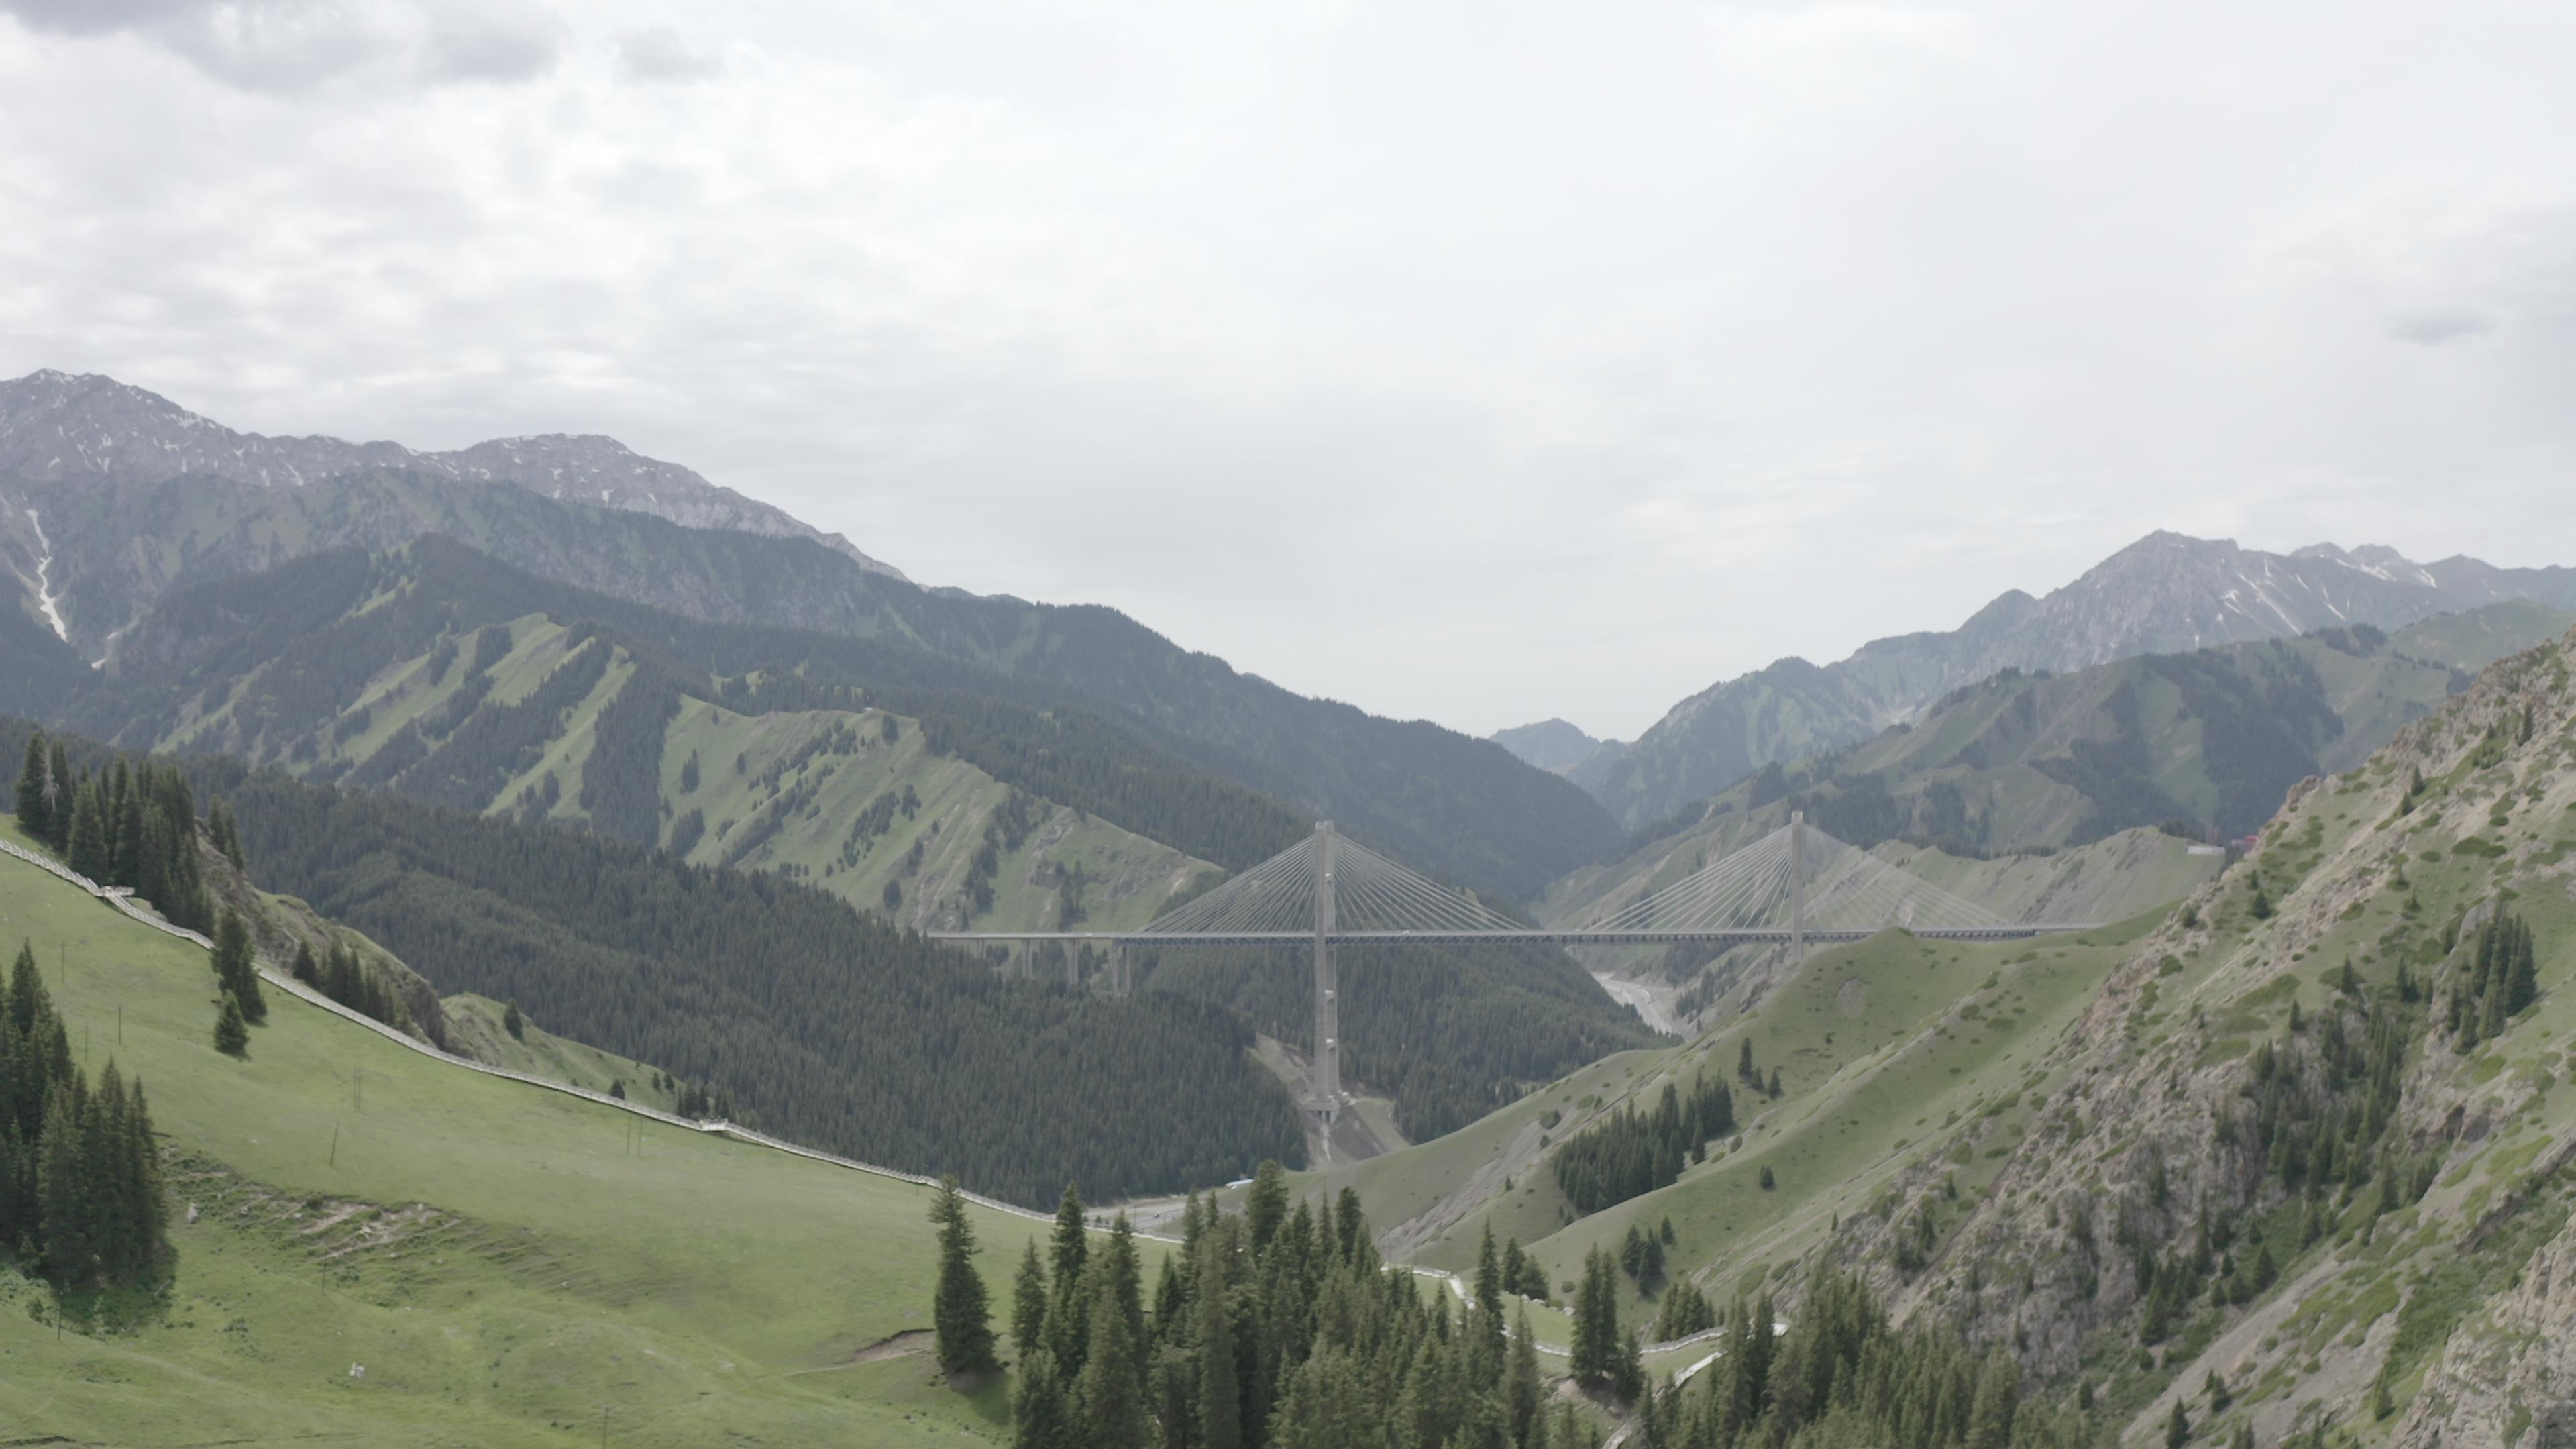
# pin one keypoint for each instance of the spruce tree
(59, 785)
(959, 1314)
(1029, 1303)
(34, 786)
(86, 849)
(1522, 1386)
(1040, 1419)
(1265, 1207)
(2177, 1426)
(1220, 1390)
(234, 970)
(1596, 1320)
(129, 831)
(1069, 1315)
(231, 1037)
(1109, 1395)
(1487, 1323)
(63, 1188)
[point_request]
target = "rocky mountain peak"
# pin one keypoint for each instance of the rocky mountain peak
(56, 425)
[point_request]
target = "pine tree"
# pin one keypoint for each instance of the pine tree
(1522, 1385)
(2522, 977)
(86, 850)
(1040, 1418)
(1220, 1389)
(1068, 1320)
(60, 782)
(63, 1187)
(233, 969)
(959, 1314)
(129, 832)
(1488, 1320)
(306, 969)
(1596, 1320)
(1109, 1394)
(1265, 1207)
(513, 1023)
(231, 1037)
(2177, 1427)
(1029, 1303)
(35, 787)
(226, 835)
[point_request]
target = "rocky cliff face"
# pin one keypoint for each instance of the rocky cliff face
(55, 427)
(2342, 1197)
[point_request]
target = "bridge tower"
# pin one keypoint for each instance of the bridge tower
(1797, 885)
(1328, 1024)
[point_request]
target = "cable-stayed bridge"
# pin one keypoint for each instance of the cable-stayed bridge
(1794, 886)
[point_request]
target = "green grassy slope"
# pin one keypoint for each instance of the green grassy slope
(1884, 1047)
(477, 1027)
(1070, 867)
(1069, 870)
(503, 1260)
(2009, 1138)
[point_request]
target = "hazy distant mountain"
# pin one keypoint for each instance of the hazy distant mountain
(1554, 745)
(2166, 593)
(56, 426)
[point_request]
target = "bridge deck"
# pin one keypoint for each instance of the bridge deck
(1576, 937)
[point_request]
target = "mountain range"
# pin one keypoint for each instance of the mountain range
(57, 426)
(112, 499)
(2164, 594)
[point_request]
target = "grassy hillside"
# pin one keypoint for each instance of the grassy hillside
(733, 604)
(503, 1261)
(1883, 1046)
(2286, 1134)
(787, 791)
(857, 801)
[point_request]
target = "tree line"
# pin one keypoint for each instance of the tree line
(122, 822)
(1838, 1375)
(80, 1180)
(1631, 1153)
(1272, 1326)
(831, 1025)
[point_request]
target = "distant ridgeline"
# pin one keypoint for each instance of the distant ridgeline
(2202, 743)
(317, 631)
(830, 1025)
(1081, 705)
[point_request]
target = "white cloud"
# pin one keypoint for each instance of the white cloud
(1479, 361)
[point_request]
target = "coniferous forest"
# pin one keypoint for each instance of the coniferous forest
(80, 1183)
(120, 823)
(1272, 1326)
(1450, 1033)
(815, 1021)
(1632, 1153)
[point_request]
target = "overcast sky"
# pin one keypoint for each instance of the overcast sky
(1475, 361)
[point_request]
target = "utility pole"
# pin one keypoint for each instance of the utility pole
(1328, 1024)
(1797, 885)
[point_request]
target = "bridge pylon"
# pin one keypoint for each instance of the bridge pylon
(1797, 886)
(1327, 1075)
